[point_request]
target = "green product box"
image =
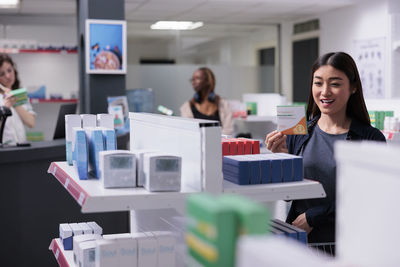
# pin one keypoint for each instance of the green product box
(34, 136)
(211, 232)
(21, 95)
(251, 108)
(253, 217)
(389, 113)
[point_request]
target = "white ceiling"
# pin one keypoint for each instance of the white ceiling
(221, 17)
(208, 11)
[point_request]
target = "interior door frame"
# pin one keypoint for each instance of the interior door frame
(267, 45)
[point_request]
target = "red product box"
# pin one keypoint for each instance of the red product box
(239, 147)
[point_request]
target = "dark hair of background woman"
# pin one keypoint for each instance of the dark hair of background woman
(356, 107)
(210, 78)
(7, 58)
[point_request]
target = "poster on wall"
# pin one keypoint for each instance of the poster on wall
(370, 60)
(105, 46)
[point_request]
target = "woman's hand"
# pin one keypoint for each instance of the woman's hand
(9, 100)
(301, 222)
(276, 142)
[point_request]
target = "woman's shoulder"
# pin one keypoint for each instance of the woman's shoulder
(365, 131)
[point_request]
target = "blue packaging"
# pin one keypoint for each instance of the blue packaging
(96, 144)
(301, 234)
(276, 167)
(297, 166)
(288, 232)
(236, 169)
(110, 139)
(80, 154)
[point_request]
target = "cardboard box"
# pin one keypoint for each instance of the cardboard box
(292, 120)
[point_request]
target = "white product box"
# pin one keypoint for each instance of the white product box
(166, 248)
(105, 120)
(139, 164)
(79, 239)
(66, 235)
(147, 250)
(89, 120)
(127, 252)
(76, 229)
(117, 168)
(106, 253)
(86, 255)
(95, 227)
(85, 228)
(162, 172)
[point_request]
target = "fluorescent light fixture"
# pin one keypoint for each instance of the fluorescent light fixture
(9, 3)
(176, 25)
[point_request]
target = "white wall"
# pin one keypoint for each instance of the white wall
(338, 31)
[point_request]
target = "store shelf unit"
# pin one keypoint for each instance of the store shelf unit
(37, 51)
(39, 100)
(64, 258)
(92, 197)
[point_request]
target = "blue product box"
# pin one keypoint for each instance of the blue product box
(96, 144)
(254, 168)
(239, 165)
(110, 139)
(288, 232)
(80, 153)
(235, 177)
(297, 166)
(265, 171)
(301, 234)
(276, 167)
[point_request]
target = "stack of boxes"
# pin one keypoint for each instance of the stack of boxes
(378, 118)
(240, 146)
(214, 225)
(144, 249)
(263, 168)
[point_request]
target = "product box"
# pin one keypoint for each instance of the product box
(73, 120)
(109, 137)
(95, 228)
(117, 168)
(106, 253)
(252, 217)
(66, 235)
(127, 252)
(94, 137)
(236, 169)
(79, 239)
(288, 232)
(211, 231)
(276, 167)
(76, 229)
(139, 164)
(166, 248)
(105, 120)
(291, 120)
(254, 169)
(20, 95)
(86, 254)
(80, 155)
(286, 167)
(88, 120)
(85, 228)
(147, 249)
(301, 234)
(297, 165)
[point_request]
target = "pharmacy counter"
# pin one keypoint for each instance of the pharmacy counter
(33, 204)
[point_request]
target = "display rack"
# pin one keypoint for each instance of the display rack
(37, 51)
(64, 258)
(92, 197)
(40, 100)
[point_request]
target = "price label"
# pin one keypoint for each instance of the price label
(81, 198)
(66, 183)
(57, 253)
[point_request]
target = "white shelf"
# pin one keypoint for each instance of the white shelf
(281, 191)
(65, 258)
(256, 118)
(92, 197)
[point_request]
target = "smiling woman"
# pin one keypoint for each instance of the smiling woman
(336, 111)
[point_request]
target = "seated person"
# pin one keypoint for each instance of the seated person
(205, 104)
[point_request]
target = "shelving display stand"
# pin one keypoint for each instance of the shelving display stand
(198, 142)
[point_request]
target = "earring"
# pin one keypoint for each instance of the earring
(211, 96)
(196, 97)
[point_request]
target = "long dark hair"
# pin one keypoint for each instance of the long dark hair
(210, 78)
(7, 58)
(356, 108)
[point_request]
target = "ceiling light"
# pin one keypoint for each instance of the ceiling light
(9, 3)
(176, 25)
